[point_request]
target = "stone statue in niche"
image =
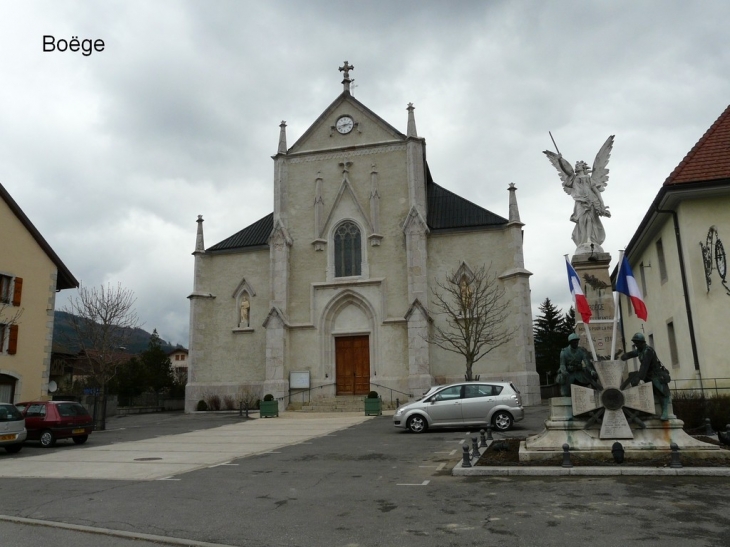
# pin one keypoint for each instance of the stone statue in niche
(585, 186)
(243, 320)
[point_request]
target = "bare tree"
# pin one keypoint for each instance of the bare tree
(476, 312)
(102, 320)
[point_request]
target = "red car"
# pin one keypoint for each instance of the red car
(48, 421)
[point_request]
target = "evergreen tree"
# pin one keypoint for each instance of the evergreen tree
(129, 382)
(157, 365)
(550, 337)
(569, 322)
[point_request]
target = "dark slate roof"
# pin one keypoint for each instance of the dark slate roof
(64, 278)
(447, 211)
(255, 235)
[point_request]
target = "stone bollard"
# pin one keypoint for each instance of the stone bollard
(474, 448)
(489, 433)
(397, 402)
(466, 462)
(676, 463)
(708, 427)
(482, 439)
(566, 456)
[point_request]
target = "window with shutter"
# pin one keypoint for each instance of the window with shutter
(17, 291)
(13, 340)
(5, 284)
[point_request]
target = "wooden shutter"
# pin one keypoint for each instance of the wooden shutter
(18, 291)
(13, 340)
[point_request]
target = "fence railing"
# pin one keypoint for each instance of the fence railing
(301, 392)
(391, 391)
(708, 386)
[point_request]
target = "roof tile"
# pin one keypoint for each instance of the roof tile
(709, 159)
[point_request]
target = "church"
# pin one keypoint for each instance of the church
(333, 292)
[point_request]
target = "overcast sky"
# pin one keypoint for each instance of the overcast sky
(113, 155)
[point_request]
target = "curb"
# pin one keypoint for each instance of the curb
(582, 471)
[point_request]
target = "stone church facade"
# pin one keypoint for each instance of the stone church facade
(337, 282)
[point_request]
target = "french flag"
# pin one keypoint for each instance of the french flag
(626, 284)
(581, 302)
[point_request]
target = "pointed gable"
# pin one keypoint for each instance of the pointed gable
(709, 159)
(64, 279)
(323, 135)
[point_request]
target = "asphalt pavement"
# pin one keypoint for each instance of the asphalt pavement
(366, 484)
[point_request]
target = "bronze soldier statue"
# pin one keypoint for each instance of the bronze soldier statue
(575, 367)
(651, 370)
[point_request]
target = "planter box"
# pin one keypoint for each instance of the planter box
(269, 409)
(373, 407)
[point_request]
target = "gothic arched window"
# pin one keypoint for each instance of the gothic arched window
(348, 254)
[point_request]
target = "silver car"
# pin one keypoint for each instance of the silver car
(463, 404)
(12, 428)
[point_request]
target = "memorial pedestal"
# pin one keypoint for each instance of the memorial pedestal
(652, 442)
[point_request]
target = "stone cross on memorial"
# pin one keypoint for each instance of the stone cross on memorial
(612, 400)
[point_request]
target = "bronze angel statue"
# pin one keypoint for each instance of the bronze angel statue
(585, 186)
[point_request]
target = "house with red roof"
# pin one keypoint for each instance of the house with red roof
(679, 260)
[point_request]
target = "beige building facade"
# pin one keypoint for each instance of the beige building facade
(336, 284)
(679, 261)
(30, 275)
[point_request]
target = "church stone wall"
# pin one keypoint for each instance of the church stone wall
(513, 361)
(229, 356)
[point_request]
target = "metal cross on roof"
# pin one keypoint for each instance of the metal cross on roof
(612, 401)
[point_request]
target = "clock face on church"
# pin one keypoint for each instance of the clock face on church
(344, 124)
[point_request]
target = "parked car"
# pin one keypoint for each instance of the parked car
(12, 428)
(48, 421)
(463, 404)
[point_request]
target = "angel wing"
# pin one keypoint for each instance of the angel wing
(564, 169)
(599, 175)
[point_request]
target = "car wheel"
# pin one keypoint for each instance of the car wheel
(13, 448)
(81, 439)
(47, 439)
(502, 420)
(417, 424)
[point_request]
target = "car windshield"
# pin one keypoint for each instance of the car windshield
(71, 409)
(8, 413)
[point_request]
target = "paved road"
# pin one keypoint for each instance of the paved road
(366, 485)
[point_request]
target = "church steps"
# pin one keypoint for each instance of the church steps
(343, 403)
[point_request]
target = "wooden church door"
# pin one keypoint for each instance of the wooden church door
(352, 362)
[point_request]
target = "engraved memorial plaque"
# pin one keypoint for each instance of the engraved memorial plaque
(640, 398)
(609, 373)
(615, 425)
(584, 399)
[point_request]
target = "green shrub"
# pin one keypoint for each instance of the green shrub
(202, 406)
(268, 397)
(373, 395)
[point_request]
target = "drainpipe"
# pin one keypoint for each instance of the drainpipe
(690, 322)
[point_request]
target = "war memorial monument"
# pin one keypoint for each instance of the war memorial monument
(606, 400)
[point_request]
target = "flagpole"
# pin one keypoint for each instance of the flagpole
(590, 340)
(616, 309)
